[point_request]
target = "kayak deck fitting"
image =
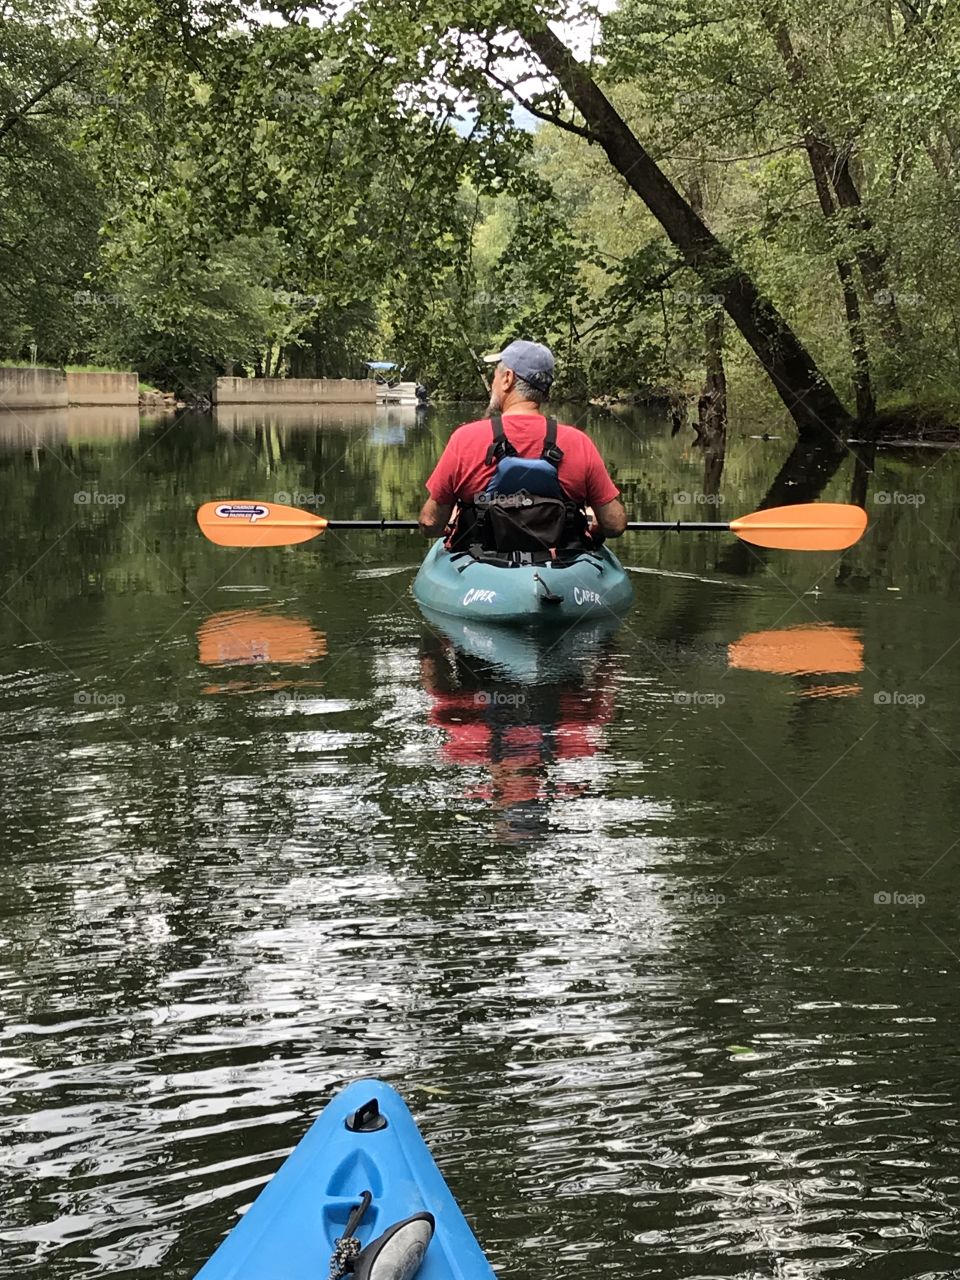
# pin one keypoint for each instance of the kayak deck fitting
(590, 585)
(294, 1227)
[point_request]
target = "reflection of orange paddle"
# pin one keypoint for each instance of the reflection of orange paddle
(799, 651)
(809, 526)
(831, 691)
(263, 686)
(245, 637)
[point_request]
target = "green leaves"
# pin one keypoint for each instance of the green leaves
(370, 157)
(201, 92)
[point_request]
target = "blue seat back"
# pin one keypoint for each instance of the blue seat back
(536, 475)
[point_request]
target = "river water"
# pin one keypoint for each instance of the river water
(656, 932)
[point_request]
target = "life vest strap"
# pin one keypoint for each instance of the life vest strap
(500, 446)
(551, 451)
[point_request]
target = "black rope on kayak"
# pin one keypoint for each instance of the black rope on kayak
(548, 597)
(347, 1246)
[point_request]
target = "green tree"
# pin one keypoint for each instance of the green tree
(50, 198)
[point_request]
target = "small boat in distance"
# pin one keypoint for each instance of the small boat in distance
(390, 390)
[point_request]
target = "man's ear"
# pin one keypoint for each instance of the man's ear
(509, 379)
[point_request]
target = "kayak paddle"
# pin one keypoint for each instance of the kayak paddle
(809, 526)
(269, 524)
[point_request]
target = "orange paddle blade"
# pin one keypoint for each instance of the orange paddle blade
(257, 524)
(810, 526)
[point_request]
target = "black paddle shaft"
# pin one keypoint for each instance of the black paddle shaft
(678, 526)
(373, 524)
(682, 526)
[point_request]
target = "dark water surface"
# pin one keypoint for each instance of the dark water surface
(656, 931)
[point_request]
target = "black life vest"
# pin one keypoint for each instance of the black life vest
(523, 515)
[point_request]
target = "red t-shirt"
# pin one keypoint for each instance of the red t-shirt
(462, 471)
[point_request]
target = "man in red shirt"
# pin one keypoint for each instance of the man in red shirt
(521, 384)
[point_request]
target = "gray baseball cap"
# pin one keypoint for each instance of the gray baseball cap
(531, 361)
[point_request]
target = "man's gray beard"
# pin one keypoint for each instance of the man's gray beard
(495, 405)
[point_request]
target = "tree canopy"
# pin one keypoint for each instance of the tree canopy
(226, 187)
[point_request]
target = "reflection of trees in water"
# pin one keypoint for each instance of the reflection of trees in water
(808, 469)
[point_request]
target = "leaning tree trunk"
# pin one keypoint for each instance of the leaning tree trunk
(812, 403)
(859, 354)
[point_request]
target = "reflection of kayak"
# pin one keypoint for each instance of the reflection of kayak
(527, 655)
(293, 1227)
(592, 585)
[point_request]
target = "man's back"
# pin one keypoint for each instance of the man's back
(463, 470)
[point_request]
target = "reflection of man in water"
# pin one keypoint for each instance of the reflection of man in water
(516, 732)
(521, 385)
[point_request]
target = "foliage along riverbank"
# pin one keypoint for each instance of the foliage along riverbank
(731, 192)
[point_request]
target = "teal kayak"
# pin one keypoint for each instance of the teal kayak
(593, 584)
(360, 1192)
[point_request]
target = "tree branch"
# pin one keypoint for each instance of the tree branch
(567, 125)
(44, 91)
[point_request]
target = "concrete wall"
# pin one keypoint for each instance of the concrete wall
(54, 389)
(103, 388)
(295, 391)
(33, 389)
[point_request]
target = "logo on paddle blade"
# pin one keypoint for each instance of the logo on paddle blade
(251, 511)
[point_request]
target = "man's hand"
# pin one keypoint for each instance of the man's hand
(435, 517)
(610, 519)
